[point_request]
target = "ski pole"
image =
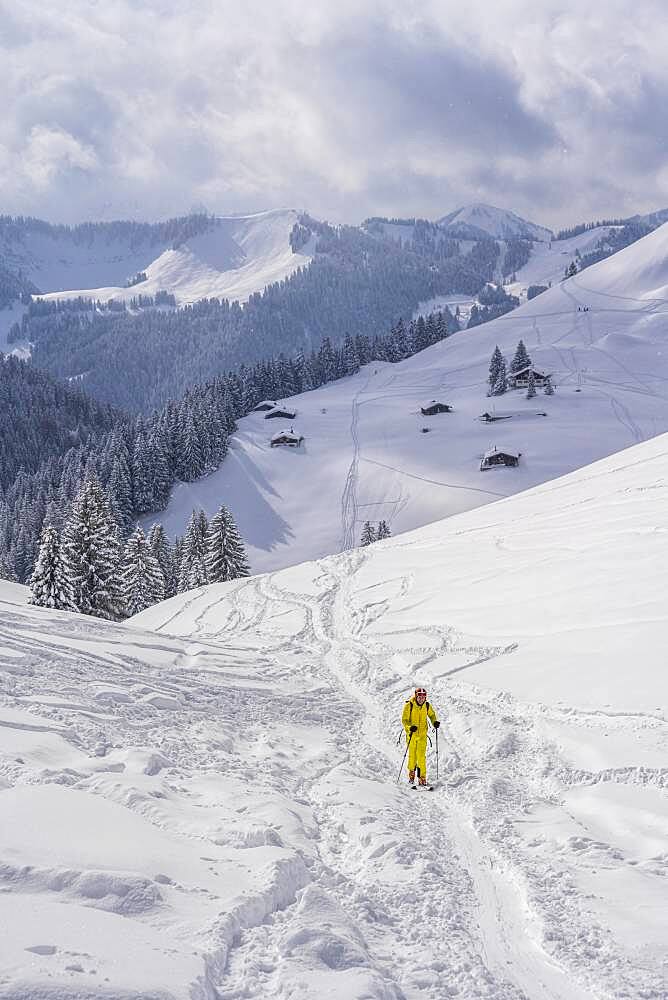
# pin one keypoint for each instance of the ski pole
(410, 737)
(437, 753)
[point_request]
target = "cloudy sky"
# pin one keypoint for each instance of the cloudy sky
(557, 110)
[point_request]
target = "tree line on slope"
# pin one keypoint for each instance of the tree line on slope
(493, 301)
(42, 418)
(612, 242)
(139, 459)
(41, 312)
(85, 567)
(15, 229)
(436, 242)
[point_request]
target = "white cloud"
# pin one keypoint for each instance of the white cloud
(554, 109)
(52, 151)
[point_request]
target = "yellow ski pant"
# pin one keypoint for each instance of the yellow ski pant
(417, 754)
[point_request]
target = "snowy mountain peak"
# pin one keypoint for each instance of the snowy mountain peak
(479, 219)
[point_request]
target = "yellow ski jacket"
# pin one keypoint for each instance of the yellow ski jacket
(416, 715)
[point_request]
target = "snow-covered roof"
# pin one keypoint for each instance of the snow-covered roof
(279, 411)
(286, 434)
(528, 368)
(266, 402)
(501, 451)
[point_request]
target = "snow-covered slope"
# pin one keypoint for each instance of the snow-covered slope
(480, 220)
(202, 803)
(549, 261)
(234, 258)
(365, 455)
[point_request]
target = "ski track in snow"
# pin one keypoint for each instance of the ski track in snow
(463, 908)
(393, 895)
(473, 910)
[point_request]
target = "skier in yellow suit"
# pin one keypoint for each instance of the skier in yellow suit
(414, 720)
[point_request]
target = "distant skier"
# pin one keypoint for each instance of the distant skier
(414, 720)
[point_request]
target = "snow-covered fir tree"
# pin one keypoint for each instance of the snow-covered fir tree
(350, 361)
(225, 551)
(142, 580)
(549, 388)
(119, 490)
(50, 586)
(497, 362)
(521, 359)
(531, 387)
(368, 534)
(142, 476)
(164, 553)
(191, 462)
(91, 551)
(383, 530)
(192, 566)
(326, 361)
(6, 568)
(420, 337)
(501, 384)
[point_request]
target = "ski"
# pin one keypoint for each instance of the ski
(424, 788)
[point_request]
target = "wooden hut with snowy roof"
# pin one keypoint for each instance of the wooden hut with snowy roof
(499, 456)
(430, 409)
(266, 404)
(286, 439)
(520, 379)
(278, 411)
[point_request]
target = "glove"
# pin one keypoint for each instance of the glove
(436, 724)
(413, 729)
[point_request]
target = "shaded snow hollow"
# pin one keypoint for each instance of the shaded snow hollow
(202, 802)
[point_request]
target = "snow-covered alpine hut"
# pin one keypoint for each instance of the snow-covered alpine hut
(287, 439)
(279, 412)
(265, 404)
(520, 379)
(429, 409)
(499, 456)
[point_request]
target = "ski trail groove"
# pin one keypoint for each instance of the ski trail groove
(519, 939)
